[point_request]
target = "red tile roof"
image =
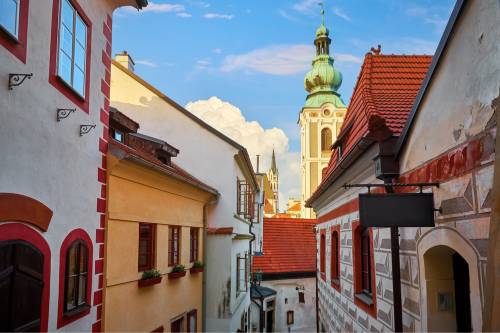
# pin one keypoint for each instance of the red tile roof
(289, 246)
(387, 87)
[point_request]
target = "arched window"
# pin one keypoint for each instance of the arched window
(334, 258)
(75, 277)
(322, 263)
(326, 139)
(364, 277)
(75, 290)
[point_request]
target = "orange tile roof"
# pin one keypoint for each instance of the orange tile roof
(387, 86)
(289, 246)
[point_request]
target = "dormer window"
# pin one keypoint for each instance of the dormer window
(117, 135)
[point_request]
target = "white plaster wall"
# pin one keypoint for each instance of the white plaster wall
(458, 101)
(47, 160)
(304, 313)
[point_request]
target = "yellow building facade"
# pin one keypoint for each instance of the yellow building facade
(155, 222)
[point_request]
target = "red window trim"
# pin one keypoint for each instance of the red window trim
(194, 244)
(151, 251)
(77, 234)
(171, 261)
(13, 231)
(322, 254)
(54, 79)
(18, 47)
(192, 313)
(371, 309)
(335, 280)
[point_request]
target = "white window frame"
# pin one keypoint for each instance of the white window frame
(14, 34)
(76, 16)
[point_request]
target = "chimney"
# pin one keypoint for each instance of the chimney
(125, 60)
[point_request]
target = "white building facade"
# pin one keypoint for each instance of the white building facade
(54, 101)
(448, 138)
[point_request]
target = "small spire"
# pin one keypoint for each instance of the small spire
(273, 163)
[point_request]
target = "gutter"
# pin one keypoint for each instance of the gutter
(205, 247)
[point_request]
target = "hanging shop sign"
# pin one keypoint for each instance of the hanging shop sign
(396, 209)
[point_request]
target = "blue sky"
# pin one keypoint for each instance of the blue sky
(192, 49)
(253, 54)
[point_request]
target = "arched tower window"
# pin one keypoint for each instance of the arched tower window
(326, 139)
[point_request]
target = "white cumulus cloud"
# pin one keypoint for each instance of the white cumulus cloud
(229, 120)
(287, 59)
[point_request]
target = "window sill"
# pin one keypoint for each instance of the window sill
(79, 311)
(365, 298)
(70, 88)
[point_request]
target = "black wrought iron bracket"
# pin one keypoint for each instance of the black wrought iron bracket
(16, 79)
(64, 113)
(84, 129)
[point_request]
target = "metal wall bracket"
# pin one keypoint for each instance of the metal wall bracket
(64, 113)
(16, 79)
(84, 129)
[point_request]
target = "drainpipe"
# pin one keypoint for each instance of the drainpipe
(317, 293)
(204, 281)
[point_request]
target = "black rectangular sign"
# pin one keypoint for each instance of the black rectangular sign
(396, 210)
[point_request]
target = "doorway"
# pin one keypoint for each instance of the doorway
(21, 286)
(448, 290)
(270, 321)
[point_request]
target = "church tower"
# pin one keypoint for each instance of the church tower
(321, 117)
(273, 175)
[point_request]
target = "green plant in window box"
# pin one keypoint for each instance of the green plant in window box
(149, 278)
(197, 267)
(177, 272)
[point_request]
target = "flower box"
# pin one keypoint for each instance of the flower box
(176, 275)
(149, 282)
(194, 270)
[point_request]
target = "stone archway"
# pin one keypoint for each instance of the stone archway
(436, 249)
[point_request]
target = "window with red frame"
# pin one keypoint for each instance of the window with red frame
(14, 27)
(366, 285)
(75, 289)
(192, 319)
(174, 236)
(72, 50)
(193, 245)
(334, 258)
(146, 246)
(322, 249)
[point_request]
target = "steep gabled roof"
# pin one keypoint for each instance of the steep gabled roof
(387, 87)
(289, 246)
